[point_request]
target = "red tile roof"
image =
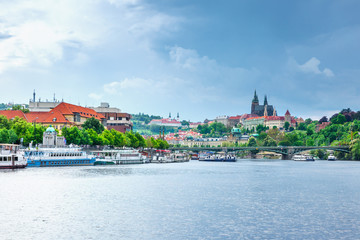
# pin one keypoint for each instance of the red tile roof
(273, 118)
(235, 117)
(70, 109)
(287, 113)
(246, 116)
(10, 114)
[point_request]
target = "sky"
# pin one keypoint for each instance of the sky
(200, 58)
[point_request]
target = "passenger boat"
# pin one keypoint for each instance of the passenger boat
(11, 157)
(119, 156)
(56, 157)
(162, 156)
(166, 156)
(301, 157)
(219, 157)
(180, 157)
(331, 157)
(195, 156)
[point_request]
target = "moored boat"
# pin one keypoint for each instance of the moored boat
(301, 157)
(331, 157)
(56, 157)
(219, 157)
(11, 157)
(119, 156)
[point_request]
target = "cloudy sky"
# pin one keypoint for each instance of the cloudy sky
(199, 58)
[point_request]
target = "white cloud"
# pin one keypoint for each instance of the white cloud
(127, 84)
(95, 96)
(38, 33)
(328, 72)
(312, 66)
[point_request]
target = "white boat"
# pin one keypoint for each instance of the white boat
(162, 156)
(11, 157)
(301, 157)
(181, 157)
(119, 156)
(331, 157)
(56, 157)
(219, 157)
(165, 156)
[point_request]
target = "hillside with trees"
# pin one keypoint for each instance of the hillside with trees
(342, 128)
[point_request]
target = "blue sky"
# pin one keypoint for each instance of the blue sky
(199, 58)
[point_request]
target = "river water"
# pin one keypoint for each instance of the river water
(249, 199)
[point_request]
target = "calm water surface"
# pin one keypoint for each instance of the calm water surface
(196, 200)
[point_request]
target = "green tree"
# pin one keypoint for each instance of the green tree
(141, 140)
(108, 137)
(4, 136)
(85, 138)
(94, 137)
(93, 123)
(12, 136)
(4, 122)
(269, 142)
(301, 126)
(133, 141)
(260, 128)
(252, 143)
(286, 126)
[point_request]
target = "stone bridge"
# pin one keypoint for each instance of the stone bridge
(286, 152)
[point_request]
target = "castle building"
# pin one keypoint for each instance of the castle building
(262, 110)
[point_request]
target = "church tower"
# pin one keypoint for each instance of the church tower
(255, 102)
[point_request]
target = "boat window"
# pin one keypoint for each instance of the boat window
(16, 158)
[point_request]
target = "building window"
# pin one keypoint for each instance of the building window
(77, 117)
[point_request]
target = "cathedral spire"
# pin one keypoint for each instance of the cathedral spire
(274, 113)
(265, 111)
(265, 101)
(256, 99)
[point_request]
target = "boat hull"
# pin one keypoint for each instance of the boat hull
(13, 166)
(218, 160)
(61, 162)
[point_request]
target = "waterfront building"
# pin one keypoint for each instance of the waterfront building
(63, 115)
(233, 121)
(115, 119)
(194, 125)
(42, 106)
(51, 139)
(223, 120)
(262, 110)
(251, 123)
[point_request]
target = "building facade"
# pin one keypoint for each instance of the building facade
(115, 119)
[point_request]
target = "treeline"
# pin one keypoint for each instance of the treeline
(144, 117)
(93, 133)
(18, 131)
(214, 129)
(74, 135)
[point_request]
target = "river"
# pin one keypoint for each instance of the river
(248, 199)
